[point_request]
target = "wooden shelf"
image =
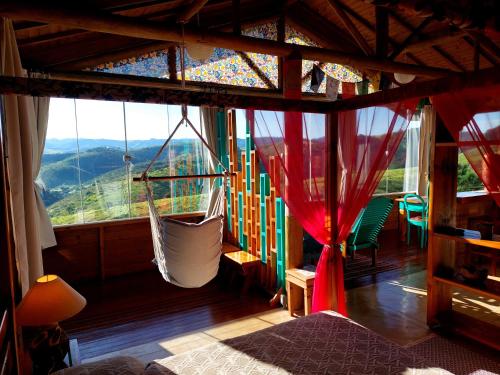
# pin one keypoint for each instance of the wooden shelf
(484, 292)
(475, 329)
(469, 240)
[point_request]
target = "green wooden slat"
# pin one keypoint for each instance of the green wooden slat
(264, 191)
(240, 218)
(280, 242)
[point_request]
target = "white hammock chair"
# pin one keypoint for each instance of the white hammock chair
(187, 254)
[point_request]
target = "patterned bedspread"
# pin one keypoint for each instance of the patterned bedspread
(324, 343)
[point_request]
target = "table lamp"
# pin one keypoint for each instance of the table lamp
(48, 302)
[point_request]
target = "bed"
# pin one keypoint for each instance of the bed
(323, 343)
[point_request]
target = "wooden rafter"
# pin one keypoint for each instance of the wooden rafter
(381, 31)
(191, 11)
(410, 28)
(436, 40)
(449, 58)
(251, 64)
(470, 41)
(486, 42)
(351, 27)
(413, 34)
(112, 24)
(363, 21)
(115, 55)
(144, 91)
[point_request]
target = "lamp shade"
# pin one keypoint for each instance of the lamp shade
(403, 78)
(200, 52)
(49, 301)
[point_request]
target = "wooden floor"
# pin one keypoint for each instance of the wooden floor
(143, 316)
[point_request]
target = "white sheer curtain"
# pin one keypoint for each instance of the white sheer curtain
(426, 128)
(25, 130)
(410, 181)
(209, 122)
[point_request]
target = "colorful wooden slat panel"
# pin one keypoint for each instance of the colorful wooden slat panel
(280, 241)
(264, 191)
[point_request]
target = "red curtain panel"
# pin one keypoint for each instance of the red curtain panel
(473, 118)
(296, 144)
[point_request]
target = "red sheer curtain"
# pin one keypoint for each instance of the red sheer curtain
(473, 118)
(367, 139)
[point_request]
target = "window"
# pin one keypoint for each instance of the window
(467, 179)
(94, 148)
(402, 173)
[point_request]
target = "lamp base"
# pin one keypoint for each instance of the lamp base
(47, 345)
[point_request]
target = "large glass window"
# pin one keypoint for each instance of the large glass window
(94, 148)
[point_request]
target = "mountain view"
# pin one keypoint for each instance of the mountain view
(99, 168)
(95, 184)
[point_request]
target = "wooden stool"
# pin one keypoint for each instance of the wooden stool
(299, 289)
(248, 266)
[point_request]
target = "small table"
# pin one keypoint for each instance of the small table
(248, 265)
(299, 288)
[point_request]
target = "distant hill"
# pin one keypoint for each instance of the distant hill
(58, 146)
(61, 168)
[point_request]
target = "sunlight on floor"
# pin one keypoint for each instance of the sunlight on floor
(180, 344)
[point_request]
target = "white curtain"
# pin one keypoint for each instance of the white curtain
(209, 120)
(426, 129)
(410, 181)
(25, 129)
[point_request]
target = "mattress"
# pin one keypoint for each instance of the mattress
(322, 343)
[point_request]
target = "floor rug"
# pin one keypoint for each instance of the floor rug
(459, 356)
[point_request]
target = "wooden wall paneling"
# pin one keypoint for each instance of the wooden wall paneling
(136, 239)
(76, 256)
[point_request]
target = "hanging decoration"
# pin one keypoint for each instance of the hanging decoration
(317, 78)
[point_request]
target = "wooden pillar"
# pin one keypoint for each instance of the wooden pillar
(292, 89)
(281, 36)
(332, 189)
(442, 212)
(172, 63)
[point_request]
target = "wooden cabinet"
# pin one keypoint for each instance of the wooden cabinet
(443, 250)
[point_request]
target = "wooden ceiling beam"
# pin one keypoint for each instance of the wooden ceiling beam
(191, 11)
(114, 56)
(410, 28)
(437, 40)
(144, 91)
(351, 27)
(372, 28)
(449, 58)
(381, 31)
(468, 39)
(112, 24)
(413, 34)
(485, 42)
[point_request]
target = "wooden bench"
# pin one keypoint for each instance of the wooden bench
(247, 265)
(299, 289)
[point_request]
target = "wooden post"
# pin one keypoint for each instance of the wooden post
(172, 63)
(442, 208)
(292, 88)
(331, 191)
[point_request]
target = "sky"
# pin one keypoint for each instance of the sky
(105, 120)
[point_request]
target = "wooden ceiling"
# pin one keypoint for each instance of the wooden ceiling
(405, 33)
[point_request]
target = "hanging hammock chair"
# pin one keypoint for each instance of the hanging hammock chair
(187, 254)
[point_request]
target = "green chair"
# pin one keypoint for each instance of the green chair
(368, 226)
(415, 204)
